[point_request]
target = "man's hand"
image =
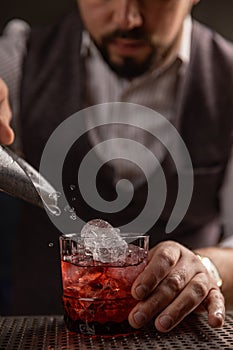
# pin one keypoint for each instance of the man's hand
(174, 284)
(6, 133)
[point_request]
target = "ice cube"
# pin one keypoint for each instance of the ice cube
(104, 241)
(98, 223)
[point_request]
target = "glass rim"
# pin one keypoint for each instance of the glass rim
(121, 234)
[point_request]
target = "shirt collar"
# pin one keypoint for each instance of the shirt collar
(185, 43)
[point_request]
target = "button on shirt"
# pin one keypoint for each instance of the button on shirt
(155, 89)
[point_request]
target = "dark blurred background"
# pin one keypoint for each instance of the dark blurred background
(216, 13)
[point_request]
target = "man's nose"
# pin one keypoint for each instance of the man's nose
(127, 14)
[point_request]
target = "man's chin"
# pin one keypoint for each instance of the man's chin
(128, 70)
(129, 67)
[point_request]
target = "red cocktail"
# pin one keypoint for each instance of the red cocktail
(97, 296)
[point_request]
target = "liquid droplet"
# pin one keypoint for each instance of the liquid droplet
(66, 208)
(54, 210)
(72, 187)
(51, 245)
(55, 195)
(73, 216)
(69, 209)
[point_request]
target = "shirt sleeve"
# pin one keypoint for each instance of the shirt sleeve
(226, 197)
(12, 50)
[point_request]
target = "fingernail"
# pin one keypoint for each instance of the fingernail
(166, 321)
(219, 314)
(139, 318)
(141, 291)
(218, 321)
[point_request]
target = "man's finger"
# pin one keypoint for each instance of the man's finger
(216, 308)
(187, 301)
(6, 132)
(161, 262)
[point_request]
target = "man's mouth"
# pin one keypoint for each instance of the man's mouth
(127, 46)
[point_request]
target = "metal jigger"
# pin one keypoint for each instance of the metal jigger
(21, 180)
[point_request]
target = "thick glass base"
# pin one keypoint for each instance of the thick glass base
(95, 328)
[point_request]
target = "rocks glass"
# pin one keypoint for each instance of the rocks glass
(97, 295)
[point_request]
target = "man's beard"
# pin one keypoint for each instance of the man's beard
(129, 67)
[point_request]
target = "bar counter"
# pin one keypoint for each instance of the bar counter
(50, 333)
